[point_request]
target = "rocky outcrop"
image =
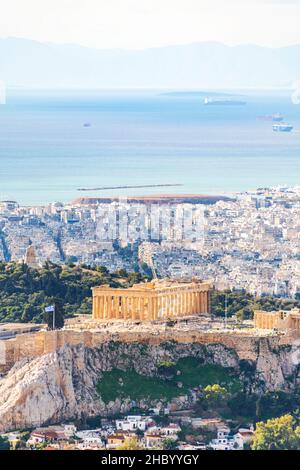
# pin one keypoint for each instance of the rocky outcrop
(62, 385)
(277, 365)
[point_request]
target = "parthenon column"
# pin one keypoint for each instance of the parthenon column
(178, 300)
(118, 307)
(194, 297)
(194, 305)
(201, 302)
(129, 308)
(142, 308)
(166, 306)
(136, 313)
(189, 309)
(122, 308)
(175, 301)
(110, 304)
(160, 306)
(126, 307)
(197, 301)
(201, 299)
(206, 305)
(104, 307)
(163, 306)
(155, 307)
(182, 303)
(113, 307)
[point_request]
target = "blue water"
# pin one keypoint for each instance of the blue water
(140, 138)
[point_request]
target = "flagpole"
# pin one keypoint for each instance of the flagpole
(54, 317)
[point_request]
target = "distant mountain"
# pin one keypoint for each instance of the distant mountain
(29, 63)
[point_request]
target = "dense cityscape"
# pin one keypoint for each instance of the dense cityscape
(250, 241)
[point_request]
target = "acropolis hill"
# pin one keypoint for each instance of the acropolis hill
(149, 313)
(50, 376)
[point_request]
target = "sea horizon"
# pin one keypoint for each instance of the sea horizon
(53, 142)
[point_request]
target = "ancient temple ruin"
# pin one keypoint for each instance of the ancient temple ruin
(160, 299)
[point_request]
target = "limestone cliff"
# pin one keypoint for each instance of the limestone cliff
(62, 385)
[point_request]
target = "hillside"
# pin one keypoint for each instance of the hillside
(27, 63)
(24, 292)
(77, 383)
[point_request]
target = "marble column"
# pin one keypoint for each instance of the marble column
(129, 308)
(136, 313)
(184, 303)
(155, 307)
(142, 308)
(104, 307)
(101, 306)
(109, 307)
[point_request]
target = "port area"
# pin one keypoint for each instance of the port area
(104, 188)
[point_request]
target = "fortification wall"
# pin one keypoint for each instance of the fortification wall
(35, 344)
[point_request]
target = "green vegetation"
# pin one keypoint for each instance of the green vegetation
(169, 444)
(4, 443)
(277, 434)
(131, 444)
(215, 395)
(58, 316)
(25, 292)
(243, 304)
(130, 384)
(193, 374)
(254, 407)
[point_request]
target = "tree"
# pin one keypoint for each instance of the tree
(131, 444)
(27, 313)
(59, 314)
(167, 369)
(4, 443)
(277, 434)
(215, 395)
(169, 444)
(122, 273)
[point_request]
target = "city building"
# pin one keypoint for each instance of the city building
(133, 423)
(30, 257)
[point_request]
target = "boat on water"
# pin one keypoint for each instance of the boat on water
(277, 117)
(282, 127)
(87, 124)
(223, 102)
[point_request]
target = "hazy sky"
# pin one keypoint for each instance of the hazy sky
(151, 23)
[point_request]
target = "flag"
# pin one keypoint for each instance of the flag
(50, 308)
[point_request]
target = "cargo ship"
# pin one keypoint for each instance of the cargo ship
(272, 117)
(223, 102)
(282, 127)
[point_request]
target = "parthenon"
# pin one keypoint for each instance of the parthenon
(160, 299)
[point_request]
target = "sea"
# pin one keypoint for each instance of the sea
(54, 142)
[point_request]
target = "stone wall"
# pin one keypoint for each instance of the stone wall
(35, 344)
